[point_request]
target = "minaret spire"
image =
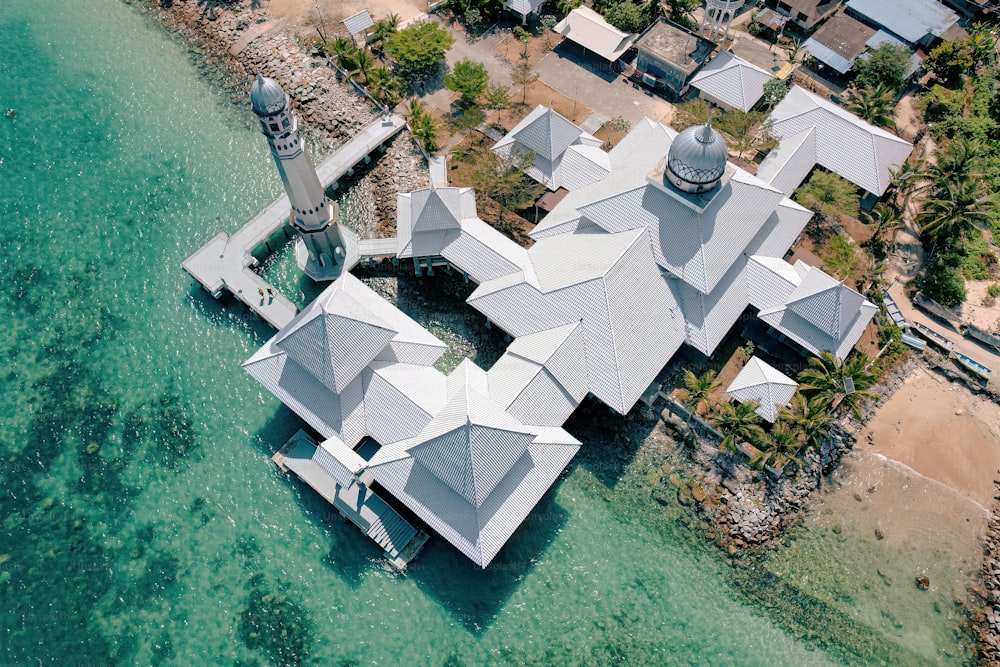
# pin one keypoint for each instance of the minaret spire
(324, 248)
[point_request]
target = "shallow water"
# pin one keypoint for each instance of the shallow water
(141, 520)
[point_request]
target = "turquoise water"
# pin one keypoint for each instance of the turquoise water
(142, 520)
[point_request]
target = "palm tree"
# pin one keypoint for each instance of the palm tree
(696, 390)
(812, 418)
(778, 448)
(826, 377)
(382, 29)
(957, 210)
(738, 423)
(875, 104)
(906, 182)
(960, 160)
(426, 132)
(384, 86)
(886, 220)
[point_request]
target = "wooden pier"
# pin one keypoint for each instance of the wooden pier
(357, 503)
(226, 262)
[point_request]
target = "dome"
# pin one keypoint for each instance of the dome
(266, 96)
(697, 159)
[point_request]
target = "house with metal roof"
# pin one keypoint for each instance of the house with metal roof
(523, 7)
(731, 82)
(564, 155)
(839, 42)
(915, 22)
(814, 131)
(759, 382)
(669, 55)
(589, 29)
(806, 14)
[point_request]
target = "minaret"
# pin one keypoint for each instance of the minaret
(324, 248)
(718, 17)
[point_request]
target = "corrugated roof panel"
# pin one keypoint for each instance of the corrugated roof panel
(910, 19)
(543, 402)
(826, 55)
(338, 460)
(580, 166)
(733, 81)
(589, 29)
(788, 164)
(359, 22)
(393, 412)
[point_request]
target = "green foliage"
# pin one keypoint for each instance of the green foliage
(948, 62)
(874, 104)
(695, 111)
(503, 179)
(697, 388)
(468, 78)
(627, 16)
(828, 194)
(977, 258)
(993, 291)
(778, 448)
(422, 126)
(384, 86)
(886, 67)
(522, 75)
(382, 29)
(418, 48)
(774, 91)
(746, 130)
(566, 6)
(495, 98)
(473, 19)
(738, 422)
(548, 21)
(942, 281)
(840, 257)
(679, 11)
(824, 380)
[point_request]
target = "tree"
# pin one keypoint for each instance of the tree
(885, 220)
(738, 422)
(566, 6)
(468, 78)
(696, 390)
(746, 130)
(876, 105)
(840, 257)
(778, 448)
(627, 16)
(948, 62)
(679, 11)
(418, 48)
(943, 281)
(356, 62)
(422, 125)
(827, 193)
(522, 75)
(957, 210)
(384, 86)
(503, 178)
(382, 29)
(496, 98)
(886, 65)
(695, 111)
(825, 378)
(813, 420)
(774, 91)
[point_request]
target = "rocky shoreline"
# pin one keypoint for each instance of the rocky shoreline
(238, 41)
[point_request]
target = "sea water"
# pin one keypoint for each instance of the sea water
(141, 520)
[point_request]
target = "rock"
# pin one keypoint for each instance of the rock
(837, 530)
(879, 534)
(698, 492)
(923, 582)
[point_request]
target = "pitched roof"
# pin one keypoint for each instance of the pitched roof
(761, 382)
(565, 155)
(523, 7)
(839, 42)
(359, 22)
(589, 29)
(424, 216)
(733, 81)
(821, 314)
(910, 19)
(862, 153)
(464, 472)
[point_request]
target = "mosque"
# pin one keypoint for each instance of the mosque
(666, 243)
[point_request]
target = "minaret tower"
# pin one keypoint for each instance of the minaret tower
(324, 249)
(718, 17)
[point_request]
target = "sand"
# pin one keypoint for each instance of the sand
(302, 15)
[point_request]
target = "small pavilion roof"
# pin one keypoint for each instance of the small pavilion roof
(760, 382)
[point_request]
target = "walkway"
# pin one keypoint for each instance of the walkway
(226, 262)
(357, 503)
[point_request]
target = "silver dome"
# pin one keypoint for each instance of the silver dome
(267, 96)
(697, 158)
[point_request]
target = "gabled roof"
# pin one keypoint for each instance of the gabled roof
(523, 7)
(732, 81)
(839, 42)
(761, 382)
(912, 20)
(359, 22)
(862, 153)
(565, 155)
(589, 29)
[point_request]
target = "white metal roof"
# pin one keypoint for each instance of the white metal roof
(910, 19)
(862, 153)
(565, 155)
(759, 381)
(523, 7)
(589, 29)
(732, 81)
(788, 164)
(359, 22)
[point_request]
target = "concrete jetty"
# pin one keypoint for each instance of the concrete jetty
(226, 262)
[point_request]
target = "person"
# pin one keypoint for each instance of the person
(11, 113)
(261, 292)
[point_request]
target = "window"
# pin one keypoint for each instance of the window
(274, 127)
(284, 122)
(803, 18)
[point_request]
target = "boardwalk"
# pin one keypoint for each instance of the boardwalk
(359, 504)
(226, 262)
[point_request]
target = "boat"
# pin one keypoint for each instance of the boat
(974, 366)
(934, 337)
(936, 309)
(989, 337)
(914, 342)
(894, 312)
